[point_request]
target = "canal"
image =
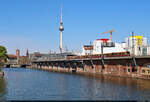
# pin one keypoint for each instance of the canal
(32, 84)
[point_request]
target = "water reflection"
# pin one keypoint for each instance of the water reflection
(139, 84)
(2, 88)
(29, 84)
(117, 88)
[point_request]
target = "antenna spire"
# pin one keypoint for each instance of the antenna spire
(61, 14)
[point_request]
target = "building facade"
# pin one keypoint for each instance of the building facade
(137, 45)
(87, 50)
(17, 59)
(103, 46)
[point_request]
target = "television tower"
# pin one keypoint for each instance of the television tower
(61, 29)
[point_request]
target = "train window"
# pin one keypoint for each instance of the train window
(143, 71)
(148, 71)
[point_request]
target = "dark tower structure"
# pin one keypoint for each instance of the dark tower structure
(17, 52)
(27, 53)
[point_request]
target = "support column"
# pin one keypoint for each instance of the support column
(83, 65)
(119, 66)
(69, 67)
(106, 69)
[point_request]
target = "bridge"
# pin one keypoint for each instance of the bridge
(125, 66)
(14, 61)
(12, 65)
(140, 60)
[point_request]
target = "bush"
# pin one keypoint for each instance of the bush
(3, 55)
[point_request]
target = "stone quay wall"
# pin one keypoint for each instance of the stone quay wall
(118, 67)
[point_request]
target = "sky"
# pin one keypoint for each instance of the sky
(34, 24)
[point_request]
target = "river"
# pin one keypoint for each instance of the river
(32, 84)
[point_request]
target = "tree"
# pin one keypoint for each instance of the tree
(3, 55)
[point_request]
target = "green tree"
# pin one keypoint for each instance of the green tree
(3, 55)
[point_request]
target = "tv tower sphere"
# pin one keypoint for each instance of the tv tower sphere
(61, 28)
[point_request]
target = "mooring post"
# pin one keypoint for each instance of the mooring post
(102, 56)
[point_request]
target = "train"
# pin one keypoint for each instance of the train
(115, 54)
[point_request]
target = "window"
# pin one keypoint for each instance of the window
(148, 71)
(133, 69)
(124, 69)
(143, 71)
(128, 70)
(139, 49)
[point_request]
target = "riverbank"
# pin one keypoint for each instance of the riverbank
(1, 73)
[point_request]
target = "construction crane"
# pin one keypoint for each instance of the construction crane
(110, 33)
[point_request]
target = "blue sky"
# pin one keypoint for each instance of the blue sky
(34, 24)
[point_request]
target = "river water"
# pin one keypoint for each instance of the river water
(31, 84)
